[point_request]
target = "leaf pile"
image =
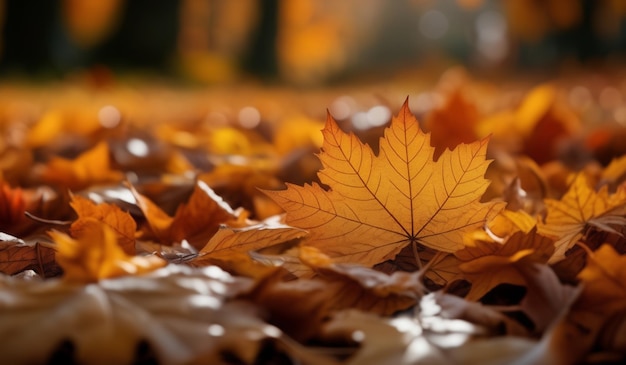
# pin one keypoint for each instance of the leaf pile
(476, 236)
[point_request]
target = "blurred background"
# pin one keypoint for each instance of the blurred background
(304, 42)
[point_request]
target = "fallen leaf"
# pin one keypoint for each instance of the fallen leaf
(488, 264)
(547, 300)
(94, 254)
(359, 287)
(90, 168)
(229, 240)
(16, 255)
(196, 221)
(377, 205)
(452, 123)
(601, 302)
(568, 218)
(176, 314)
(113, 216)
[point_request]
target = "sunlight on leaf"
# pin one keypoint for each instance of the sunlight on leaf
(95, 254)
(377, 205)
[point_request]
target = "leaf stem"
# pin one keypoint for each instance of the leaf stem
(416, 255)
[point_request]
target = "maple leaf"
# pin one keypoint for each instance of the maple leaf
(378, 204)
(488, 264)
(113, 216)
(567, 219)
(196, 221)
(95, 254)
(91, 167)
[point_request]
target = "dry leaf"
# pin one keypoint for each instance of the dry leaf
(176, 314)
(453, 123)
(94, 254)
(491, 263)
(229, 240)
(580, 208)
(113, 216)
(377, 205)
(602, 301)
(16, 255)
(196, 221)
(90, 168)
(359, 287)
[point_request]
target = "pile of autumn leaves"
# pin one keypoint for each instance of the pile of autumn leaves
(379, 230)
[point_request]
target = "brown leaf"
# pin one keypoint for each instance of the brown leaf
(453, 123)
(603, 297)
(17, 255)
(196, 221)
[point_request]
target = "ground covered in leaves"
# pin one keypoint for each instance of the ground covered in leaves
(468, 223)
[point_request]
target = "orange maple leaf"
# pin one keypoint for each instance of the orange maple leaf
(196, 221)
(113, 216)
(378, 204)
(567, 219)
(91, 167)
(95, 254)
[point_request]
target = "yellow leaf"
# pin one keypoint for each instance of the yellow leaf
(91, 167)
(94, 254)
(567, 219)
(229, 240)
(377, 205)
(113, 216)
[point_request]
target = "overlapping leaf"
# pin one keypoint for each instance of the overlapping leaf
(568, 218)
(378, 204)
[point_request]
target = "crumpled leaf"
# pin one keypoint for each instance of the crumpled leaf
(177, 312)
(112, 215)
(90, 168)
(196, 221)
(568, 218)
(17, 255)
(377, 205)
(488, 264)
(598, 309)
(355, 286)
(94, 254)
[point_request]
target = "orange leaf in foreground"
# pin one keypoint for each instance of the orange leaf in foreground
(568, 218)
(113, 216)
(379, 204)
(488, 264)
(95, 254)
(196, 221)
(91, 167)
